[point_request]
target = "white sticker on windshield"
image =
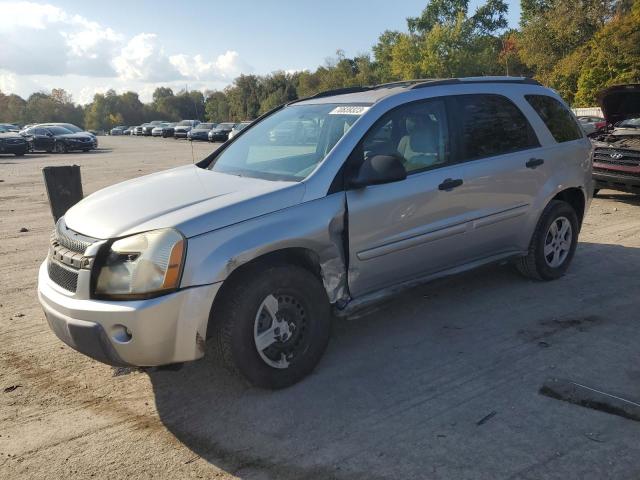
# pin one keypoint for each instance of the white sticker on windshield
(349, 110)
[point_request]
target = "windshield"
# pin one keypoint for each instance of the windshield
(206, 126)
(59, 130)
(184, 122)
(289, 144)
(225, 126)
(630, 123)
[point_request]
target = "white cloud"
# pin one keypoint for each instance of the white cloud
(143, 58)
(43, 45)
(226, 67)
(43, 39)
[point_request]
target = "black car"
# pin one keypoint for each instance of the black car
(72, 128)
(57, 139)
(201, 132)
(221, 132)
(11, 142)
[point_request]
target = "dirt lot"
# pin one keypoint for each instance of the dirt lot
(400, 393)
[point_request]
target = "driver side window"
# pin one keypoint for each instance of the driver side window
(416, 133)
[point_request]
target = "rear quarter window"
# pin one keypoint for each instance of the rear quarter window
(491, 125)
(556, 117)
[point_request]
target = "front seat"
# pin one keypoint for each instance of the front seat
(419, 147)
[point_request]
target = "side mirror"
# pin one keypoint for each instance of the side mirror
(377, 170)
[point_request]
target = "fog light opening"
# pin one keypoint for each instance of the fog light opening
(121, 334)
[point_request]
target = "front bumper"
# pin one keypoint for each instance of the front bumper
(180, 133)
(199, 136)
(219, 137)
(19, 148)
(623, 181)
(160, 331)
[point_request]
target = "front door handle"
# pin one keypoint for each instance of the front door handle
(534, 162)
(449, 184)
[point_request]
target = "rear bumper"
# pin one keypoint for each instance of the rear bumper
(616, 181)
(158, 331)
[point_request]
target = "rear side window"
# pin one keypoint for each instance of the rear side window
(492, 125)
(556, 117)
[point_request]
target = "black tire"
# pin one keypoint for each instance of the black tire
(60, 148)
(534, 264)
(236, 316)
(20, 154)
(596, 191)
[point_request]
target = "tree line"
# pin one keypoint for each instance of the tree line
(577, 47)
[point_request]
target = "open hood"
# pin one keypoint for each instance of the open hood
(620, 102)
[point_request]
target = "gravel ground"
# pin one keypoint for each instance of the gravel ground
(442, 382)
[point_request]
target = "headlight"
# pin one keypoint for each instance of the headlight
(142, 265)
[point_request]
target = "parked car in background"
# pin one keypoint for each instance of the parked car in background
(53, 138)
(73, 129)
(12, 142)
(295, 132)
(201, 131)
(616, 153)
(9, 127)
(181, 128)
(161, 129)
(128, 131)
(591, 124)
(148, 128)
(137, 131)
(257, 244)
(238, 128)
(221, 132)
(118, 130)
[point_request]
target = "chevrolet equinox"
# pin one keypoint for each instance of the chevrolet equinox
(315, 210)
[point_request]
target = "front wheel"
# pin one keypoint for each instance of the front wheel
(553, 244)
(272, 325)
(60, 147)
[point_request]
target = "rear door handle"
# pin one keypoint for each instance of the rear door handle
(534, 162)
(449, 184)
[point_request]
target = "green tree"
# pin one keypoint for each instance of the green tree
(613, 56)
(217, 107)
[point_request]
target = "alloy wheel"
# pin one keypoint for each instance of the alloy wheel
(558, 241)
(279, 330)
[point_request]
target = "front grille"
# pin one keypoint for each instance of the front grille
(69, 239)
(65, 277)
(616, 156)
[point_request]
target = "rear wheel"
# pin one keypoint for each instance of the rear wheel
(553, 244)
(272, 325)
(60, 147)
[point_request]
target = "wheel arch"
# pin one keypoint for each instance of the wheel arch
(299, 256)
(575, 197)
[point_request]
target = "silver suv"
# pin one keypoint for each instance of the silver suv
(316, 210)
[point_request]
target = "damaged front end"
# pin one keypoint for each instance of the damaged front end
(616, 152)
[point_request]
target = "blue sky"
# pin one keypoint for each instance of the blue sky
(141, 44)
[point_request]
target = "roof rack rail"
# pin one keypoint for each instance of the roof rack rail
(461, 81)
(329, 93)
(341, 91)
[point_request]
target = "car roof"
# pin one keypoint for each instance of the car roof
(372, 94)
